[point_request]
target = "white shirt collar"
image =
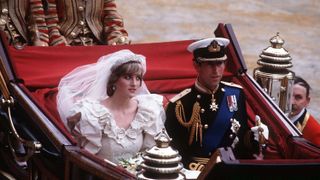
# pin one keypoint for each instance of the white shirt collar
(296, 117)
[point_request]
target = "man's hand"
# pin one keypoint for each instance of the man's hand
(120, 40)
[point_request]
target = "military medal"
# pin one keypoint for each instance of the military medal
(232, 103)
(213, 105)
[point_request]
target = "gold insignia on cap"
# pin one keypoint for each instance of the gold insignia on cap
(214, 47)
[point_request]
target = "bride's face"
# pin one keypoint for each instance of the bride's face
(128, 84)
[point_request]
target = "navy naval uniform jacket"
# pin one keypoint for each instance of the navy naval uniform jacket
(216, 131)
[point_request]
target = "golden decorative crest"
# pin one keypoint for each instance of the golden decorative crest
(214, 47)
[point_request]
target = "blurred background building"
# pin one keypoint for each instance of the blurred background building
(254, 22)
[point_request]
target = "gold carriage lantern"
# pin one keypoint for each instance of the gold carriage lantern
(273, 74)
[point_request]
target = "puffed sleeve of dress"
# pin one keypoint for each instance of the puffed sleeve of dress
(92, 120)
(152, 116)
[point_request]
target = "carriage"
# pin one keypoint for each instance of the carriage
(34, 143)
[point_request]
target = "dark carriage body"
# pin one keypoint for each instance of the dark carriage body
(32, 74)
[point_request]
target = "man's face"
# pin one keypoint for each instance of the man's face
(299, 99)
(210, 73)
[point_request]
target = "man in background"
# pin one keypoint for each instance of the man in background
(299, 115)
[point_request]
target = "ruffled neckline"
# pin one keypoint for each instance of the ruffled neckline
(141, 121)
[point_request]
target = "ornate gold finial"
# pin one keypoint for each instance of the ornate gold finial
(162, 139)
(277, 41)
(214, 46)
(275, 57)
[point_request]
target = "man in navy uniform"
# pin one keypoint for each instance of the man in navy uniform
(210, 114)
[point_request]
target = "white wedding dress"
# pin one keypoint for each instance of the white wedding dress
(104, 138)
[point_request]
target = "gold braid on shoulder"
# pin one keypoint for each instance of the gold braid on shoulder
(194, 122)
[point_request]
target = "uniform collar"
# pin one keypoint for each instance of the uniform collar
(295, 118)
(203, 89)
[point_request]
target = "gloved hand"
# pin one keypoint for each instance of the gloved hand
(260, 128)
(119, 40)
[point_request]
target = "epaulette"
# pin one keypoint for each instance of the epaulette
(231, 84)
(180, 95)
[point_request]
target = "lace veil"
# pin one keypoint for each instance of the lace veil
(90, 81)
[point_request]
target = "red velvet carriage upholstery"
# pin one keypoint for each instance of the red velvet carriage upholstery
(39, 69)
(169, 70)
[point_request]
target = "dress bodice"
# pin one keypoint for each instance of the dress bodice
(104, 138)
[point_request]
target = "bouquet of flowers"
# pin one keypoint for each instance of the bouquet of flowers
(132, 164)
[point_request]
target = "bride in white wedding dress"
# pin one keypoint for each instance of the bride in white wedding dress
(109, 107)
